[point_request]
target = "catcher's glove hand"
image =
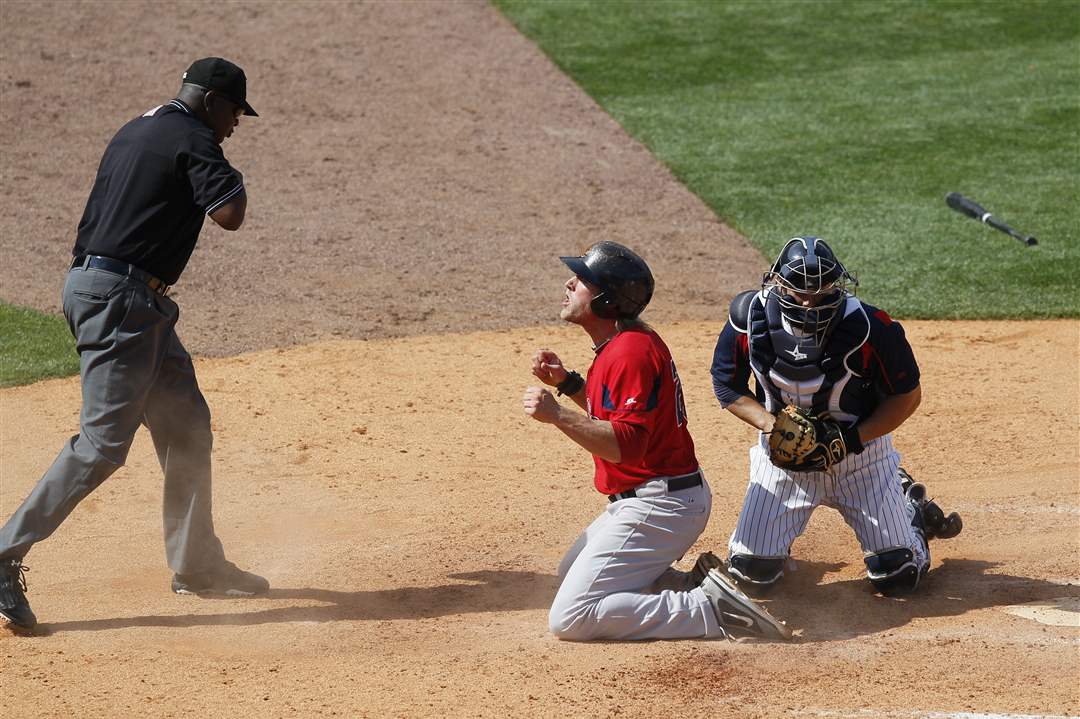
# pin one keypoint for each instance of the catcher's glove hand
(803, 442)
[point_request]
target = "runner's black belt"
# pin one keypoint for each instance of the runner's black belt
(97, 262)
(674, 484)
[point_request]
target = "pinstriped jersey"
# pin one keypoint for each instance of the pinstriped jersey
(633, 384)
(866, 358)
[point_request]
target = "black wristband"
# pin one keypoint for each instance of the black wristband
(571, 385)
(851, 439)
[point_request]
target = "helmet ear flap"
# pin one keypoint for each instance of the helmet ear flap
(623, 281)
(604, 307)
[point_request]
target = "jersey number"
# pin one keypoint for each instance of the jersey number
(680, 403)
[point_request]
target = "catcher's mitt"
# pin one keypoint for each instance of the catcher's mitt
(803, 442)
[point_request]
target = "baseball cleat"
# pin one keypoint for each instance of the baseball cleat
(906, 480)
(227, 580)
(738, 613)
(705, 562)
(944, 528)
(13, 605)
(934, 520)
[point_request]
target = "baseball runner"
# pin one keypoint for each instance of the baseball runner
(617, 581)
(160, 176)
(834, 378)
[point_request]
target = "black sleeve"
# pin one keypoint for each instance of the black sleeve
(213, 180)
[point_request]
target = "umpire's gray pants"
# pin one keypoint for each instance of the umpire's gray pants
(134, 371)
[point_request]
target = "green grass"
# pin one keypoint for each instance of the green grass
(34, 346)
(851, 120)
(847, 119)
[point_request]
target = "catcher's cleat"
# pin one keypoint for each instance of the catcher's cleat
(227, 580)
(936, 524)
(706, 561)
(738, 613)
(906, 479)
(13, 605)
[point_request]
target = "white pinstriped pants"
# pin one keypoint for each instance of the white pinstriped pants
(864, 488)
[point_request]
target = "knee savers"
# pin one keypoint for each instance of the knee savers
(756, 570)
(893, 571)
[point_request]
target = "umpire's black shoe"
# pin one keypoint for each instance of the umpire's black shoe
(739, 614)
(13, 605)
(227, 580)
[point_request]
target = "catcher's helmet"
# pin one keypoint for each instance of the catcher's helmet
(810, 284)
(624, 280)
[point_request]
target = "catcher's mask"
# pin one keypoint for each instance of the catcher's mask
(624, 280)
(810, 285)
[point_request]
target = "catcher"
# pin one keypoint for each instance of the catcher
(834, 378)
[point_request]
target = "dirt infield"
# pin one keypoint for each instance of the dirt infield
(411, 521)
(363, 343)
(414, 169)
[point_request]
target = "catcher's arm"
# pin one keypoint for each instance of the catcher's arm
(752, 412)
(893, 411)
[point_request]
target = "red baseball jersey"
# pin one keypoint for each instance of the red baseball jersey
(633, 384)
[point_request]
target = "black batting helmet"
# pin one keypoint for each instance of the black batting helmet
(810, 284)
(624, 280)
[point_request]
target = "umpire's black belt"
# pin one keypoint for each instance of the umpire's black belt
(674, 484)
(97, 262)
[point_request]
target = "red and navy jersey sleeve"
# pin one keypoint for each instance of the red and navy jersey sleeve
(633, 384)
(887, 356)
(731, 366)
(629, 396)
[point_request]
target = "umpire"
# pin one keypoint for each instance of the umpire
(160, 175)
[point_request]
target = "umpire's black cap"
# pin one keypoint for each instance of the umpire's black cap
(214, 73)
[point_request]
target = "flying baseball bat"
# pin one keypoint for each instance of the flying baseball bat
(972, 209)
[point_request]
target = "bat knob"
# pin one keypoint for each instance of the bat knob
(1029, 241)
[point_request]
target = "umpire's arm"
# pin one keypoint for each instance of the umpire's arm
(231, 215)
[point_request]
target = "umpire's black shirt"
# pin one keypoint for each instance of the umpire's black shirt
(159, 177)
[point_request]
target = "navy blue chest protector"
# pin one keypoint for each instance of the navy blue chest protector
(791, 370)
